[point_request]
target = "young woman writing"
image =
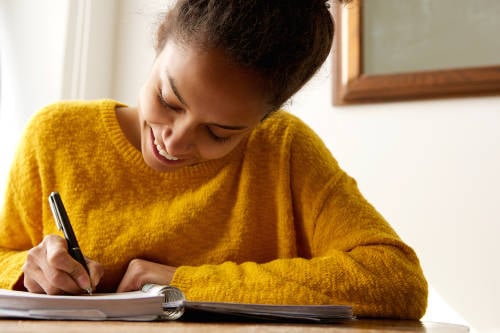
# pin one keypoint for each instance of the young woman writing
(206, 184)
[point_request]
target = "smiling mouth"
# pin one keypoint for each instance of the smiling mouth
(163, 152)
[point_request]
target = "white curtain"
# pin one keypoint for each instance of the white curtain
(50, 50)
(10, 121)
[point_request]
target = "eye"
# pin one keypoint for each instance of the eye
(217, 138)
(166, 105)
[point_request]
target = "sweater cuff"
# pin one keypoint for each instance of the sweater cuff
(12, 266)
(200, 283)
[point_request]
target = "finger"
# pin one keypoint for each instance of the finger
(134, 275)
(59, 280)
(64, 271)
(33, 287)
(37, 282)
(34, 278)
(96, 272)
(31, 271)
(30, 279)
(126, 284)
(140, 272)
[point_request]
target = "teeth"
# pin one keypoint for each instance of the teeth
(163, 153)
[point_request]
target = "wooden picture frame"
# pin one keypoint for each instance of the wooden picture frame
(351, 85)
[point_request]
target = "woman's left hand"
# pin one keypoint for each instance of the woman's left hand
(139, 272)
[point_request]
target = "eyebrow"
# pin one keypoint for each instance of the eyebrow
(229, 127)
(174, 89)
(179, 96)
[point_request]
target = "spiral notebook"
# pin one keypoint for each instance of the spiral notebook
(156, 302)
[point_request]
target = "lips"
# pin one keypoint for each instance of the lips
(163, 152)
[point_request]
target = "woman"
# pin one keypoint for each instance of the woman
(206, 184)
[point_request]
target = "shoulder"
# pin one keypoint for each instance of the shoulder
(73, 110)
(282, 126)
(293, 149)
(284, 122)
(69, 115)
(282, 119)
(285, 138)
(284, 129)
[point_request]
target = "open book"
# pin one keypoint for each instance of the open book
(156, 302)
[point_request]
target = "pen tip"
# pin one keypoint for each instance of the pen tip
(89, 291)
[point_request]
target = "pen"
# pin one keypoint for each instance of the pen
(63, 223)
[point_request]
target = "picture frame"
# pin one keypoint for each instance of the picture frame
(351, 85)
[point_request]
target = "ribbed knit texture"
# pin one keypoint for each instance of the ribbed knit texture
(275, 221)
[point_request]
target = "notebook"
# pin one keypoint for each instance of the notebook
(157, 302)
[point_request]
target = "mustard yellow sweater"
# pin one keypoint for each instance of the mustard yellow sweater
(275, 221)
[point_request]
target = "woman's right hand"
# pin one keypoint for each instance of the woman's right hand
(50, 269)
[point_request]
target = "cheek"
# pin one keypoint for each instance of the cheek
(215, 150)
(150, 109)
(145, 104)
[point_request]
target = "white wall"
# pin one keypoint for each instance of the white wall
(430, 167)
(135, 34)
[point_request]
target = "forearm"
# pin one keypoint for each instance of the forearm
(378, 281)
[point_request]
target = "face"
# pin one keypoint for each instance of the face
(196, 106)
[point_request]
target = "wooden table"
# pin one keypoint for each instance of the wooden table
(356, 326)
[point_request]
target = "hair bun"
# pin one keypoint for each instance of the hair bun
(311, 4)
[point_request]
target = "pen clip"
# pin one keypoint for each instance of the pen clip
(55, 212)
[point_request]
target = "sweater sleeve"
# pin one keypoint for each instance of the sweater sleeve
(359, 261)
(20, 215)
(348, 253)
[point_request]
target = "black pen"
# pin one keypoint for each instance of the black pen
(63, 223)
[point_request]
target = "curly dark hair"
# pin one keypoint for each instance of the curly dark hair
(285, 41)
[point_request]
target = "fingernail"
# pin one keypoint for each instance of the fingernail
(84, 283)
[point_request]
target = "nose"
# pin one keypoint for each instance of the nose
(178, 139)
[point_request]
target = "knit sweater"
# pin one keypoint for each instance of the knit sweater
(274, 221)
